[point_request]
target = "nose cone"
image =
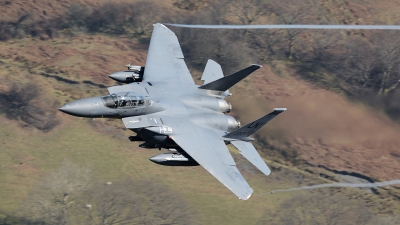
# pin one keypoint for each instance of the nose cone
(65, 109)
(82, 107)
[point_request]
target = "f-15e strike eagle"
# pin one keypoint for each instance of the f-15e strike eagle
(166, 109)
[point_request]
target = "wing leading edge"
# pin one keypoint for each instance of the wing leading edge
(165, 58)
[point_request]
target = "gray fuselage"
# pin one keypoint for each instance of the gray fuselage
(201, 106)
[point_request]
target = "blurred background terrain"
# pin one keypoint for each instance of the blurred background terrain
(341, 89)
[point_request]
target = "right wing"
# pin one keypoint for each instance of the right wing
(206, 147)
(165, 58)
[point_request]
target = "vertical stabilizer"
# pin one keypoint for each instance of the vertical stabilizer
(251, 154)
(212, 72)
(224, 83)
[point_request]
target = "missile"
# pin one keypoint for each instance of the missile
(173, 159)
(133, 74)
(125, 76)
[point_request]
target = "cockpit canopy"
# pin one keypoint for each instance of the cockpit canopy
(125, 100)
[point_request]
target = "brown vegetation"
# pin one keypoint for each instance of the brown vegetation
(364, 66)
(320, 128)
(326, 129)
(312, 53)
(25, 103)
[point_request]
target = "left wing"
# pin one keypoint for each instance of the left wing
(209, 150)
(165, 58)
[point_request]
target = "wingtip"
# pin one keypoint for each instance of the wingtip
(245, 198)
(159, 24)
(259, 66)
(280, 109)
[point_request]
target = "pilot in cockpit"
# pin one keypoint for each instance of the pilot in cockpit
(124, 100)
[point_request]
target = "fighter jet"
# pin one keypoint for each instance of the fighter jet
(167, 110)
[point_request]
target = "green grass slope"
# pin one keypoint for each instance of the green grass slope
(27, 155)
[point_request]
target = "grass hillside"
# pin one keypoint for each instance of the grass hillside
(325, 136)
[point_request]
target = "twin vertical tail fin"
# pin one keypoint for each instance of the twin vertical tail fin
(244, 132)
(224, 83)
(214, 80)
(240, 137)
(212, 72)
(250, 153)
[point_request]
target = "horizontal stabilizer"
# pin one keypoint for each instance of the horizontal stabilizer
(251, 154)
(249, 129)
(224, 83)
